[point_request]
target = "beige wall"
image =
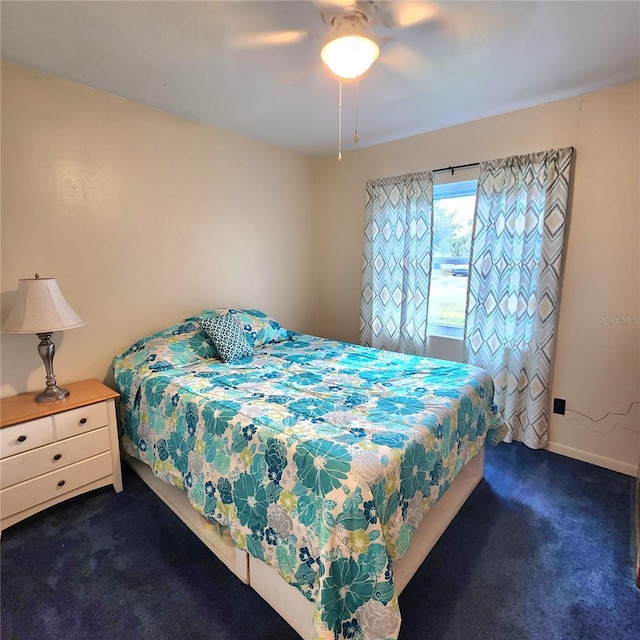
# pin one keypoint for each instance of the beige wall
(597, 364)
(144, 218)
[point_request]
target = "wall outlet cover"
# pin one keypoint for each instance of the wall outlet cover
(559, 406)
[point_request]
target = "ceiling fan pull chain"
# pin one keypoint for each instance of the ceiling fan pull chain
(356, 137)
(340, 122)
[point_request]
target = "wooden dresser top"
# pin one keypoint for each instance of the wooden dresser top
(23, 407)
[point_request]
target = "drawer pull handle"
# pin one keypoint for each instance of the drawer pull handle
(22, 438)
(61, 483)
(57, 456)
(83, 421)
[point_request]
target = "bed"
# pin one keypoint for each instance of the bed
(316, 470)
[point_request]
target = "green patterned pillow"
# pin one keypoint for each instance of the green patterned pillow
(260, 329)
(227, 336)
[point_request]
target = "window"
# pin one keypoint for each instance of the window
(453, 209)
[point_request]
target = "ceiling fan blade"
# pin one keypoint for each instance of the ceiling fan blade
(256, 39)
(401, 58)
(402, 15)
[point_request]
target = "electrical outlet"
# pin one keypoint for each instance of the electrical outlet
(559, 406)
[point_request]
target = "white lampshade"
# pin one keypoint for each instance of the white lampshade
(40, 307)
(350, 56)
(350, 49)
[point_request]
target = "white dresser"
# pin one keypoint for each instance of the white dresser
(52, 451)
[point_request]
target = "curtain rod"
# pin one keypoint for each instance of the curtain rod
(458, 166)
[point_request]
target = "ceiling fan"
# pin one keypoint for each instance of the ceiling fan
(365, 25)
(351, 44)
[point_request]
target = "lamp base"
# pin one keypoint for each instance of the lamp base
(46, 349)
(52, 393)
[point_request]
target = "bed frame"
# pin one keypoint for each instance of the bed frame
(283, 598)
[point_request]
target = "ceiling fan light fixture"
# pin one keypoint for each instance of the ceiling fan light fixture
(350, 50)
(350, 56)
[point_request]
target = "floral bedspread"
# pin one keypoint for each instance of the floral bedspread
(320, 457)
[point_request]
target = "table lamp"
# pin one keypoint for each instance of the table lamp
(40, 308)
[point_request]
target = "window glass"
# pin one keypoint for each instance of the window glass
(453, 208)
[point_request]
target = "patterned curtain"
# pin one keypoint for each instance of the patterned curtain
(514, 284)
(396, 272)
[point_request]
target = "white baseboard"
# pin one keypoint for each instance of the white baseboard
(592, 458)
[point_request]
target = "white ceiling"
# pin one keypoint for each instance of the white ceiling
(210, 61)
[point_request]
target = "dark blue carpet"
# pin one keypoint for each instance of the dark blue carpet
(543, 549)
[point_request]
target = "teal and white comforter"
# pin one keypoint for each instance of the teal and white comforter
(320, 457)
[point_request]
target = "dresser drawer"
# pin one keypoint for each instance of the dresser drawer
(25, 436)
(71, 423)
(50, 485)
(53, 456)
